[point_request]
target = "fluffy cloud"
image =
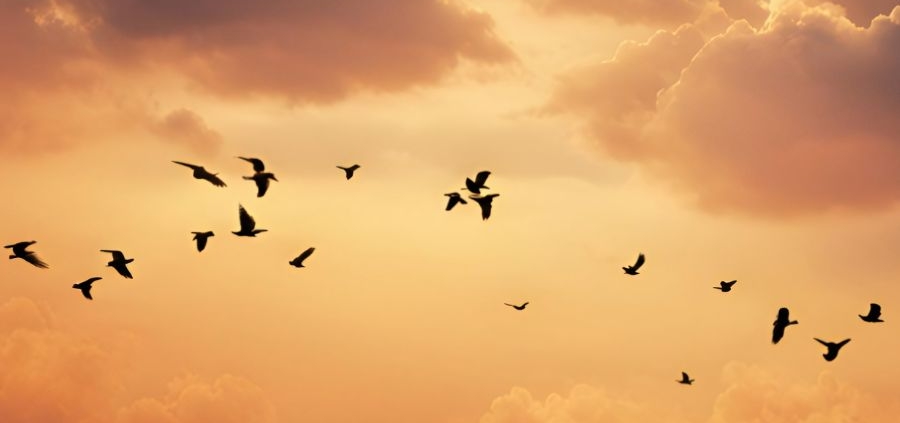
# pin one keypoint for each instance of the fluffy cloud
(185, 127)
(674, 12)
(793, 118)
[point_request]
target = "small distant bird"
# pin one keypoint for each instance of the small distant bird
(119, 262)
(874, 315)
(248, 225)
(486, 202)
(201, 238)
(517, 307)
(85, 287)
(262, 182)
(298, 261)
(833, 348)
(20, 250)
(478, 184)
(258, 165)
(725, 286)
(685, 379)
(454, 199)
(349, 170)
(633, 270)
(201, 173)
(782, 321)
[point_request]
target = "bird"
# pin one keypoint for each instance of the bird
(486, 203)
(478, 184)
(517, 307)
(85, 287)
(781, 322)
(248, 225)
(119, 262)
(262, 182)
(201, 173)
(874, 315)
(455, 199)
(349, 170)
(632, 270)
(685, 379)
(833, 348)
(258, 165)
(202, 238)
(19, 250)
(725, 286)
(298, 261)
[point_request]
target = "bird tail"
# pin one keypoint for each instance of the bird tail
(249, 178)
(12, 257)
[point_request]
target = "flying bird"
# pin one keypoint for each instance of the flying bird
(685, 379)
(201, 173)
(85, 287)
(455, 199)
(202, 238)
(517, 307)
(486, 203)
(874, 315)
(349, 170)
(258, 165)
(298, 261)
(262, 182)
(633, 270)
(478, 184)
(833, 348)
(119, 262)
(725, 286)
(20, 250)
(781, 322)
(248, 225)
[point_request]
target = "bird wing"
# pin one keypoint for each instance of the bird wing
(842, 343)
(822, 342)
(92, 280)
(874, 310)
(195, 167)
(777, 333)
(201, 243)
(33, 259)
(639, 262)
(262, 185)
(481, 177)
(117, 255)
(123, 270)
(452, 202)
(472, 186)
(684, 376)
(731, 283)
(783, 314)
(511, 305)
(86, 291)
(258, 164)
(524, 304)
(306, 254)
(247, 222)
(485, 210)
(213, 179)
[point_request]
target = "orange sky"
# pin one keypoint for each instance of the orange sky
(731, 139)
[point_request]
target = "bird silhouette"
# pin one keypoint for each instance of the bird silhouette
(874, 315)
(455, 199)
(349, 170)
(517, 307)
(833, 348)
(258, 165)
(782, 321)
(298, 261)
(248, 225)
(486, 203)
(86, 286)
(633, 270)
(262, 182)
(478, 184)
(725, 286)
(201, 173)
(20, 250)
(119, 262)
(685, 379)
(201, 238)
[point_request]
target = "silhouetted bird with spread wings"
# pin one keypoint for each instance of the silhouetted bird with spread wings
(258, 165)
(478, 184)
(833, 348)
(201, 173)
(86, 286)
(248, 224)
(782, 321)
(202, 238)
(262, 182)
(119, 262)
(486, 202)
(633, 270)
(455, 199)
(874, 315)
(20, 250)
(685, 379)
(517, 307)
(298, 261)
(725, 286)
(349, 170)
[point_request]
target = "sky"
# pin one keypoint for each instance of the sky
(724, 139)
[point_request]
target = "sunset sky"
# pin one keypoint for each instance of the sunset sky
(725, 139)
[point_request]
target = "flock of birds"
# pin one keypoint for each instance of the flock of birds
(248, 229)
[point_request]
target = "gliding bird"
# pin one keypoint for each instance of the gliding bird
(20, 250)
(201, 173)
(119, 262)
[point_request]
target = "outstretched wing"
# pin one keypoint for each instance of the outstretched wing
(201, 243)
(19, 248)
(482, 177)
(874, 310)
(247, 222)
(116, 254)
(305, 254)
(33, 259)
(777, 333)
(842, 343)
(258, 164)
(262, 185)
(821, 342)
(86, 291)
(639, 262)
(684, 376)
(213, 179)
(452, 202)
(472, 186)
(123, 270)
(195, 167)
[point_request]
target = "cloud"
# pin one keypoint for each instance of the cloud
(791, 119)
(652, 12)
(185, 127)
